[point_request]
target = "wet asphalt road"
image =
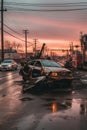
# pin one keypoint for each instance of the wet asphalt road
(47, 110)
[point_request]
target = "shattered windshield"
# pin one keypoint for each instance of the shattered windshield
(49, 63)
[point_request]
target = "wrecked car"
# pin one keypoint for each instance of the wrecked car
(48, 73)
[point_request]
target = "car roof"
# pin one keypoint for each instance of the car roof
(42, 60)
(8, 60)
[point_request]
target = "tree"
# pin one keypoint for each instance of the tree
(7, 44)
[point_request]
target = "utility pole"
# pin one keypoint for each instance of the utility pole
(81, 42)
(35, 40)
(71, 48)
(26, 32)
(2, 34)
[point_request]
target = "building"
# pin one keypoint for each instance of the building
(10, 54)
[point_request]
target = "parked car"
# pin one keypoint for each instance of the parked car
(8, 65)
(53, 74)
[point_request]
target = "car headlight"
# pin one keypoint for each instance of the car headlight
(9, 65)
(54, 74)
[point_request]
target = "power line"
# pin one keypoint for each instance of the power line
(44, 4)
(17, 38)
(48, 6)
(55, 5)
(65, 6)
(14, 36)
(11, 29)
(46, 10)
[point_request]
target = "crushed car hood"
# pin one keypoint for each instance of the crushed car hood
(55, 69)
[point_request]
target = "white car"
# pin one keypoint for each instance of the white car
(8, 65)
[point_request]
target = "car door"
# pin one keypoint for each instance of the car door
(36, 72)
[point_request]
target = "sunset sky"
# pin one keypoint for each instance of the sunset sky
(54, 22)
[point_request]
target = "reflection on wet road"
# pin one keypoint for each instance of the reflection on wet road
(41, 111)
(55, 112)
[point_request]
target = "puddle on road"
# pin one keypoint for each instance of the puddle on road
(70, 114)
(78, 105)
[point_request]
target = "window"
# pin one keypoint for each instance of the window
(38, 64)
